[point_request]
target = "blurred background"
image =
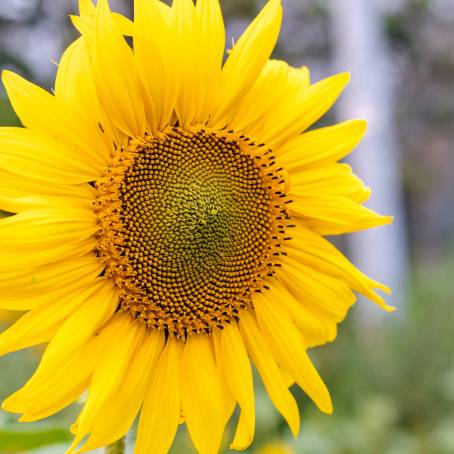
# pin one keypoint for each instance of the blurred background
(391, 376)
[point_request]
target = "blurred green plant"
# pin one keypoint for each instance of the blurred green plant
(7, 114)
(15, 440)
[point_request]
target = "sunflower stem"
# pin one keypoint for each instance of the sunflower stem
(119, 447)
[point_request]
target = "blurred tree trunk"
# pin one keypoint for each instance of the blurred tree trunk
(360, 47)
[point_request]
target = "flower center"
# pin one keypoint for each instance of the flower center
(190, 225)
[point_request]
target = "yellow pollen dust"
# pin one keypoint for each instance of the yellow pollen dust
(190, 224)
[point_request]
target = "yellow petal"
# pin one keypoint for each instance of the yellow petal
(14, 186)
(211, 52)
(17, 205)
(333, 179)
(247, 59)
(38, 228)
(156, 54)
(264, 95)
(34, 155)
(202, 395)
(100, 303)
(27, 301)
(116, 77)
(161, 410)
(124, 334)
(87, 12)
(30, 327)
(317, 252)
(321, 146)
(120, 410)
(200, 44)
(334, 215)
(29, 281)
(305, 110)
(239, 376)
(30, 101)
(51, 389)
(276, 88)
(10, 260)
(229, 399)
(86, 7)
(191, 91)
(318, 291)
(269, 371)
(286, 343)
(315, 327)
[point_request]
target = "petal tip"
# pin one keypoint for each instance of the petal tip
(326, 406)
(360, 125)
(345, 77)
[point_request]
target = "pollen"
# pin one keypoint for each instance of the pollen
(190, 225)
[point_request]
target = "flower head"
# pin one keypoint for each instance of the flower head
(168, 230)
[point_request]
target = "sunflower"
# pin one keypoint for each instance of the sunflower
(169, 214)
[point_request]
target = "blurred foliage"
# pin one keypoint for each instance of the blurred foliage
(16, 441)
(7, 114)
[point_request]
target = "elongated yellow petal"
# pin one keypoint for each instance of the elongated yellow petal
(315, 327)
(10, 260)
(239, 377)
(304, 110)
(29, 300)
(321, 146)
(334, 179)
(120, 410)
(334, 215)
(191, 94)
(269, 371)
(318, 291)
(100, 303)
(116, 77)
(210, 51)
(17, 205)
(74, 83)
(28, 281)
(87, 13)
(35, 155)
(30, 101)
(52, 388)
(317, 252)
(86, 7)
(156, 56)
(286, 343)
(247, 59)
(229, 399)
(30, 327)
(124, 334)
(162, 406)
(269, 98)
(202, 395)
(264, 95)
(38, 228)
(15, 186)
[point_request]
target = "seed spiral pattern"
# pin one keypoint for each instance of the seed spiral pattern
(190, 223)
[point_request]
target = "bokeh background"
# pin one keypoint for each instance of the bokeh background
(392, 376)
